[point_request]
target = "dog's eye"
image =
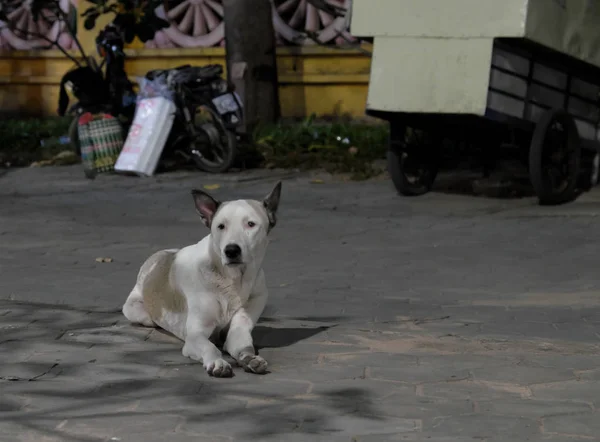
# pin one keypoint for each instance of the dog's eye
(251, 223)
(221, 226)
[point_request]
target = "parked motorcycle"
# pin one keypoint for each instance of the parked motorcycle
(96, 91)
(208, 114)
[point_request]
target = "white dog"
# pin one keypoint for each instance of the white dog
(215, 285)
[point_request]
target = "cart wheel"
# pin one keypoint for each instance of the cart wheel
(413, 160)
(554, 158)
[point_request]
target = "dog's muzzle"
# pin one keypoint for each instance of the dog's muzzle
(233, 252)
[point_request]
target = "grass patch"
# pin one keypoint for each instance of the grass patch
(23, 141)
(339, 147)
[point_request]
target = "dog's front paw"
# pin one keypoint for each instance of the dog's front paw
(219, 368)
(253, 363)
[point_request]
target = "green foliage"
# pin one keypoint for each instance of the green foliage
(337, 147)
(135, 17)
(27, 140)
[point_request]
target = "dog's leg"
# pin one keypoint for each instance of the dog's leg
(198, 346)
(134, 309)
(239, 338)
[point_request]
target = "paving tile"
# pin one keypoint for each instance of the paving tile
(521, 374)
(444, 318)
(532, 408)
(588, 391)
(483, 426)
(582, 425)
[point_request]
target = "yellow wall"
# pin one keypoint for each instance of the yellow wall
(324, 81)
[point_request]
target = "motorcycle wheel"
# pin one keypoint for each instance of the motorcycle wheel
(215, 147)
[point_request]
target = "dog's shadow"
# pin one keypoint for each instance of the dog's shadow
(265, 336)
(275, 337)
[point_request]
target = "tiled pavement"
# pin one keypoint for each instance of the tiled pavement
(440, 318)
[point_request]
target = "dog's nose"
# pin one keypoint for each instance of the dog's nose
(232, 251)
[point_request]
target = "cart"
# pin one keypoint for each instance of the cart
(520, 71)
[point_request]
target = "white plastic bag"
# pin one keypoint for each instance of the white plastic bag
(147, 136)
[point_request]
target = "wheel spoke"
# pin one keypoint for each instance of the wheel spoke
(554, 144)
(551, 178)
(185, 25)
(217, 149)
(312, 18)
(32, 28)
(326, 19)
(557, 179)
(43, 25)
(286, 6)
(298, 14)
(345, 38)
(199, 23)
(215, 6)
(16, 14)
(46, 17)
(211, 18)
(21, 27)
(213, 148)
(49, 16)
(218, 152)
(178, 10)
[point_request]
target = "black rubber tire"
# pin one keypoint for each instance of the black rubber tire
(230, 148)
(74, 136)
(544, 190)
(397, 154)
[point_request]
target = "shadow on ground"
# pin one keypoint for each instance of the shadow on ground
(77, 375)
(275, 337)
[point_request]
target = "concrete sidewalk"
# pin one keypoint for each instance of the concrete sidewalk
(441, 318)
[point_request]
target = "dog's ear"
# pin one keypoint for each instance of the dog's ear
(271, 203)
(206, 206)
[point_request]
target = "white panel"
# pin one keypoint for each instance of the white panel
(439, 18)
(567, 26)
(452, 78)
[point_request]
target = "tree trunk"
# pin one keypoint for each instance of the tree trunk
(251, 59)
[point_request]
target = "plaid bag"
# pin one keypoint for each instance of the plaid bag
(101, 139)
